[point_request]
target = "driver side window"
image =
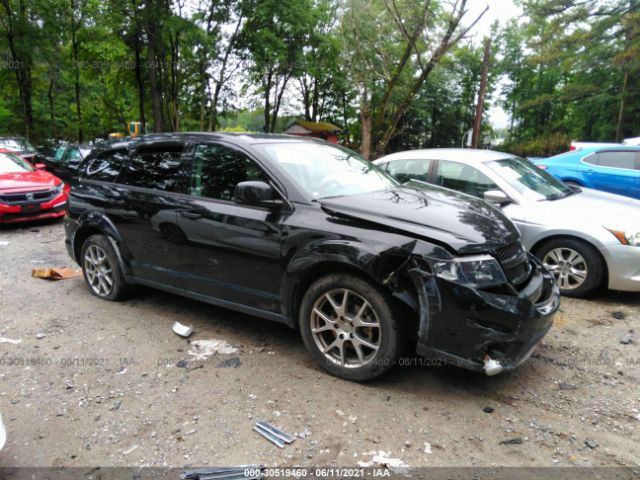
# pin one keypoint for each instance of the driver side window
(463, 178)
(412, 169)
(217, 170)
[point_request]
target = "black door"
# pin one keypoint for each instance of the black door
(146, 211)
(235, 249)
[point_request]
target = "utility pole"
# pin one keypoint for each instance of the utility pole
(477, 124)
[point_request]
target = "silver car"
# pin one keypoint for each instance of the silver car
(585, 237)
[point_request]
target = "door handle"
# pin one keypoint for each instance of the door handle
(190, 214)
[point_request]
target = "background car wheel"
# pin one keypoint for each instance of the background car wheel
(101, 269)
(577, 266)
(350, 328)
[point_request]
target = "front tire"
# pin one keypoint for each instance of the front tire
(577, 266)
(101, 269)
(350, 327)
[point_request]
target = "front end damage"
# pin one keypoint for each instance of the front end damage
(488, 330)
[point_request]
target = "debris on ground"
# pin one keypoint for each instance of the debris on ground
(231, 362)
(3, 243)
(273, 434)
(3, 434)
(488, 409)
(203, 349)
(591, 443)
(626, 339)
(182, 330)
(383, 459)
(427, 448)
(227, 473)
(566, 386)
(130, 449)
(55, 273)
(512, 441)
(40, 336)
(182, 364)
(10, 340)
(618, 315)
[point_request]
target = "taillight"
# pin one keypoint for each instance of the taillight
(572, 148)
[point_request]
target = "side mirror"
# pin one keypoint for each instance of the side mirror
(255, 193)
(496, 196)
(40, 166)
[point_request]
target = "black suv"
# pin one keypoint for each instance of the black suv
(310, 234)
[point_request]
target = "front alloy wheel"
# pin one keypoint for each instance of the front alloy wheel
(578, 267)
(345, 328)
(351, 327)
(568, 266)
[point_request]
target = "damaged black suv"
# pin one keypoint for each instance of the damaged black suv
(310, 234)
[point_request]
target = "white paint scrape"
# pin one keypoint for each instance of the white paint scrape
(203, 349)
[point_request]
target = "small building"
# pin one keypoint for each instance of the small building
(327, 131)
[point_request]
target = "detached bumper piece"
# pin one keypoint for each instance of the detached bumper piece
(241, 472)
(273, 434)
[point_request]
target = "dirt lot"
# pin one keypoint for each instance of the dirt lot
(89, 382)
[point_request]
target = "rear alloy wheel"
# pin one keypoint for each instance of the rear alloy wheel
(576, 265)
(350, 327)
(101, 268)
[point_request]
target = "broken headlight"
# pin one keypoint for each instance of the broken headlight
(479, 271)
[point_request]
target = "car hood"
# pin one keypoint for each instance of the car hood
(23, 181)
(591, 207)
(456, 221)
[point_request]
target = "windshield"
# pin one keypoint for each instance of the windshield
(529, 180)
(323, 171)
(16, 144)
(12, 164)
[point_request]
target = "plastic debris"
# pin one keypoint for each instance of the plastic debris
(618, 315)
(230, 362)
(226, 473)
(273, 434)
(512, 441)
(10, 340)
(3, 243)
(129, 450)
(383, 459)
(203, 349)
(181, 329)
(591, 443)
(55, 273)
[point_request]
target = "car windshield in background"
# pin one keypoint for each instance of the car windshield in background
(13, 164)
(529, 180)
(16, 144)
(323, 171)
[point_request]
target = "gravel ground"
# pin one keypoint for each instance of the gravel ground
(99, 383)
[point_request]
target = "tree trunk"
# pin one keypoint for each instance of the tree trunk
(139, 80)
(52, 114)
(76, 71)
(477, 124)
(365, 123)
(620, 135)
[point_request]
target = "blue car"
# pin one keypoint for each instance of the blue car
(610, 169)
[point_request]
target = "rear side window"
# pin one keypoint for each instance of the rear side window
(156, 166)
(625, 160)
(218, 169)
(412, 169)
(106, 166)
(463, 178)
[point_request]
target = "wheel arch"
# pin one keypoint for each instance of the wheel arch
(95, 223)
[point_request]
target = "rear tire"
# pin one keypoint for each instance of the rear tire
(350, 327)
(101, 269)
(578, 267)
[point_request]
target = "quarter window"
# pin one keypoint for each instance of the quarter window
(156, 166)
(463, 178)
(218, 169)
(106, 166)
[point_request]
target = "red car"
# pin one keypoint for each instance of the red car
(27, 192)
